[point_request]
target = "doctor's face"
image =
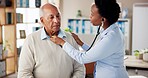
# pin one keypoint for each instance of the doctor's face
(95, 17)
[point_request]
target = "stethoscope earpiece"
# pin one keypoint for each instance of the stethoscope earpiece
(102, 19)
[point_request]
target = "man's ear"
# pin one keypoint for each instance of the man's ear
(41, 19)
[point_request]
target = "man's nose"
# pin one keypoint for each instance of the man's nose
(56, 20)
(90, 16)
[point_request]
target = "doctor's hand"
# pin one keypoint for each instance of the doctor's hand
(57, 40)
(77, 39)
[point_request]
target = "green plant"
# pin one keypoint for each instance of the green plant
(6, 45)
(68, 30)
(145, 50)
(79, 13)
(136, 52)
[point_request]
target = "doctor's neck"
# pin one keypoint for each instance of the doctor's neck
(105, 25)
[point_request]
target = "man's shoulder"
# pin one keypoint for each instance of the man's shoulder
(35, 34)
(68, 35)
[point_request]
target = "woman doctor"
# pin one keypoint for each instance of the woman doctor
(108, 52)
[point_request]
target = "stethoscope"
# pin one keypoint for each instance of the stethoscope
(94, 39)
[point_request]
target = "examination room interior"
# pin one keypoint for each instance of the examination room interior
(18, 20)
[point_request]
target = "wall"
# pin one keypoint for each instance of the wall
(69, 8)
(129, 4)
(140, 17)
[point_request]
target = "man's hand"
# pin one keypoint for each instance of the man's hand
(57, 40)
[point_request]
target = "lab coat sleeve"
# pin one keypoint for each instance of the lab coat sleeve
(26, 60)
(85, 47)
(103, 48)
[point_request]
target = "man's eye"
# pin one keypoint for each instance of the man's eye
(58, 16)
(51, 17)
(91, 14)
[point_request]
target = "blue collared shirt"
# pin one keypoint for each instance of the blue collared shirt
(108, 53)
(45, 36)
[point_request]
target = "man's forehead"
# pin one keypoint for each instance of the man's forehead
(51, 11)
(51, 14)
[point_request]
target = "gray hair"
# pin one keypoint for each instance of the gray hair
(41, 12)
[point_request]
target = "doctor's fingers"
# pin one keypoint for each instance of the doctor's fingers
(56, 39)
(75, 36)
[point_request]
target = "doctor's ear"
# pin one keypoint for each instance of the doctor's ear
(102, 19)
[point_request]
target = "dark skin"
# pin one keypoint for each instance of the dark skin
(95, 18)
(79, 42)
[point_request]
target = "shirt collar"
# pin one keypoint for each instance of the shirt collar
(45, 36)
(104, 32)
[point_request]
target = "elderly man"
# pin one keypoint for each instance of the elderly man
(41, 58)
